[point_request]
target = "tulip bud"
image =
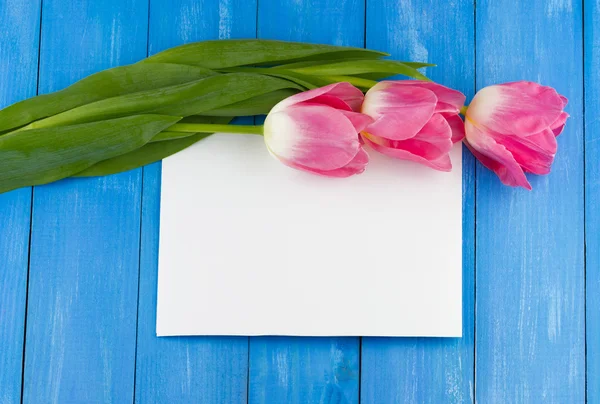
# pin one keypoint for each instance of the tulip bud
(317, 131)
(414, 120)
(511, 129)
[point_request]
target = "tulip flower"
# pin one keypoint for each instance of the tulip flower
(317, 131)
(414, 120)
(511, 129)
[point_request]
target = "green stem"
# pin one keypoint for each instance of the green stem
(211, 128)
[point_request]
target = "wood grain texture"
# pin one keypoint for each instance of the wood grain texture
(19, 36)
(185, 369)
(592, 195)
(80, 341)
(304, 370)
(530, 252)
(83, 283)
(428, 370)
(307, 370)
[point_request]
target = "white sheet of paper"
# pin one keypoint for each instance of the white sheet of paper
(251, 247)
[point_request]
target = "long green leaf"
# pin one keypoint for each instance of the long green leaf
(181, 100)
(306, 81)
(147, 154)
(374, 76)
(105, 84)
(361, 67)
(168, 135)
(244, 52)
(41, 156)
(259, 105)
(295, 65)
(161, 146)
(219, 120)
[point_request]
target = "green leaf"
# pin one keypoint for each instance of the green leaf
(108, 83)
(180, 100)
(363, 84)
(374, 76)
(295, 65)
(381, 76)
(348, 68)
(308, 82)
(162, 145)
(259, 105)
(243, 52)
(219, 120)
(147, 154)
(41, 156)
(169, 135)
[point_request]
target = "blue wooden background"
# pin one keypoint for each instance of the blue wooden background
(78, 258)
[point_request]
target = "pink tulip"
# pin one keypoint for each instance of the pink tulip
(414, 120)
(511, 129)
(317, 131)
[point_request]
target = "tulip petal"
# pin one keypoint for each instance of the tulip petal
(534, 153)
(495, 157)
(430, 146)
(564, 100)
(442, 164)
(457, 125)
(345, 92)
(360, 121)
(329, 100)
(543, 142)
(443, 107)
(399, 111)
(558, 125)
(313, 136)
(436, 137)
(431, 143)
(356, 166)
(518, 108)
(449, 100)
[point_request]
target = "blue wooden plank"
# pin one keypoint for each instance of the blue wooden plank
(185, 369)
(530, 246)
(592, 199)
(19, 38)
(304, 370)
(307, 370)
(428, 370)
(81, 318)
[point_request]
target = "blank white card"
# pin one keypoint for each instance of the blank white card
(249, 246)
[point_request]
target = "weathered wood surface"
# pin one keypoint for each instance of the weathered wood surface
(78, 259)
